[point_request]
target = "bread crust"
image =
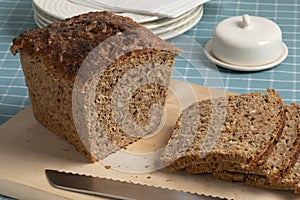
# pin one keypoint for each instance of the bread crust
(63, 46)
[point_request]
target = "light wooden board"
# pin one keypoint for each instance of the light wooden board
(27, 149)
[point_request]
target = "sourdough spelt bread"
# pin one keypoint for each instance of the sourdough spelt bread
(252, 124)
(88, 73)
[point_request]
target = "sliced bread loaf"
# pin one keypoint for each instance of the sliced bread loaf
(245, 137)
(76, 70)
(282, 169)
(285, 152)
(283, 156)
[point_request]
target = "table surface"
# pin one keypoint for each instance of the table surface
(17, 17)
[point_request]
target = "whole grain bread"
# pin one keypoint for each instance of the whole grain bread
(277, 165)
(282, 169)
(251, 126)
(285, 152)
(74, 70)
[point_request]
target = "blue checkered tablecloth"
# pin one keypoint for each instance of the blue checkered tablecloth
(17, 16)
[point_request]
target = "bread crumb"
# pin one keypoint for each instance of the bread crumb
(64, 149)
(107, 167)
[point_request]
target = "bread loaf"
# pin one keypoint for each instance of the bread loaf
(252, 124)
(87, 73)
(259, 142)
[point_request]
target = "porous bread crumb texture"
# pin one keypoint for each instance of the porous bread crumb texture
(52, 59)
(246, 118)
(101, 116)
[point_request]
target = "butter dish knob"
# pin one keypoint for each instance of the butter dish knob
(246, 23)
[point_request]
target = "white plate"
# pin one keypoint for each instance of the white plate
(173, 26)
(43, 15)
(175, 29)
(140, 18)
(165, 8)
(166, 21)
(179, 9)
(142, 6)
(175, 32)
(38, 22)
(209, 54)
(151, 25)
(62, 9)
(41, 20)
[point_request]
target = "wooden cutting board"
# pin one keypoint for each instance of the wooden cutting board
(27, 149)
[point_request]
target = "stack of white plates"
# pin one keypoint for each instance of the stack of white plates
(48, 11)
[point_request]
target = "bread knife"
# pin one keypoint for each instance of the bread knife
(113, 189)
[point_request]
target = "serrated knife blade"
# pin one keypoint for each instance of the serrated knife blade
(112, 188)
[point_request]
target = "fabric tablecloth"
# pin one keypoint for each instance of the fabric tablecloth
(17, 17)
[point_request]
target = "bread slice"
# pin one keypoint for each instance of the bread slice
(290, 182)
(282, 168)
(86, 73)
(243, 138)
(285, 152)
(199, 168)
(277, 165)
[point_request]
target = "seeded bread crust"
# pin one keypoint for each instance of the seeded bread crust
(52, 58)
(63, 46)
(248, 118)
